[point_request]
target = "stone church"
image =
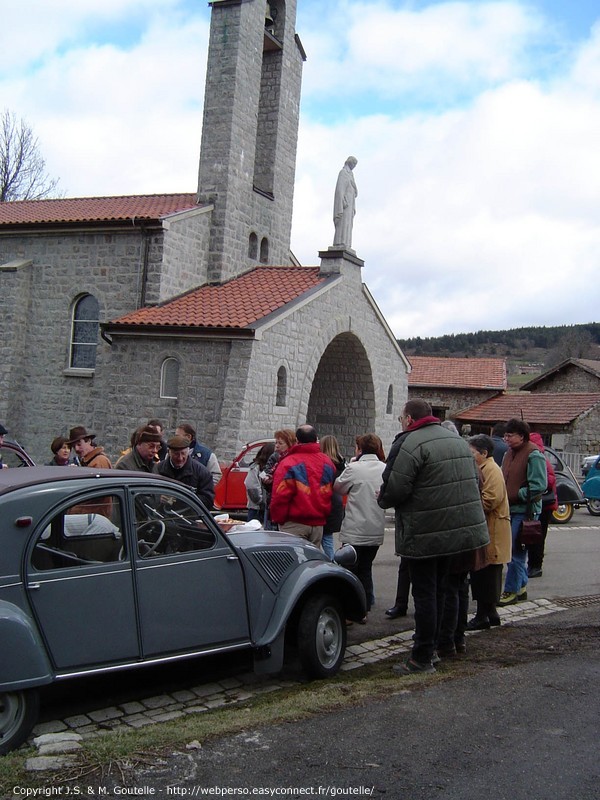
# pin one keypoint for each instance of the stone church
(191, 307)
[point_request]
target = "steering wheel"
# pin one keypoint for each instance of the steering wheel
(155, 530)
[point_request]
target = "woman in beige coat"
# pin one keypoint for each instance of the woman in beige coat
(363, 525)
(486, 578)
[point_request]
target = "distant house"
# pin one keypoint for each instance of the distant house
(571, 375)
(569, 421)
(452, 384)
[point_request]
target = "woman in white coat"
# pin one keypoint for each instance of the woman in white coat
(364, 521)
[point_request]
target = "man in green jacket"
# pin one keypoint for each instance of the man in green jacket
(431, 480)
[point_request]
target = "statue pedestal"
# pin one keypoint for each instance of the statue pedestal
(333, 258)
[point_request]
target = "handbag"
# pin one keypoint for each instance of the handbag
(530, 532)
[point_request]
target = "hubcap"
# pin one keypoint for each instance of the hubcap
(329, 638)
(11, 713)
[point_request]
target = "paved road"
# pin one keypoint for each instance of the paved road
(528, 731)
(571, 569)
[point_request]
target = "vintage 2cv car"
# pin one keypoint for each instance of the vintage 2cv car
(103, 570)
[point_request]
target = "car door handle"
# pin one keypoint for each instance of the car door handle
(34, 585)
(232, 558)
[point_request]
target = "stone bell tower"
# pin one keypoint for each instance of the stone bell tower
(250, 133)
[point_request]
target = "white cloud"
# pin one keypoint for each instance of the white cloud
(390, 51)
(480, 215)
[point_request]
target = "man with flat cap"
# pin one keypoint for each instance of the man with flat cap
(179, 465)
(142, 456)
(89, 454)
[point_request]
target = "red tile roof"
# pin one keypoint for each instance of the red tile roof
(550, 408)
(94, 209)
(236, 304)
(458, 373)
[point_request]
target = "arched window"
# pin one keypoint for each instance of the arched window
(264, 250)
(169, 378)
(281, 396)
(253, 246)
(389, 409)
(85, 325)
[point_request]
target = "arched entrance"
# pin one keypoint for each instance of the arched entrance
(342, 398)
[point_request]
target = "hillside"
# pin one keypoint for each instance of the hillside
(529, 351)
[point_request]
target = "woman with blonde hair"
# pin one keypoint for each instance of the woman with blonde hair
(329, 445)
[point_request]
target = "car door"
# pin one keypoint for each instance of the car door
(189, 581)
(80, 584)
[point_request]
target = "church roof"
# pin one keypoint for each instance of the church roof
(539, 408)
(94, 209)
(458, 373)
(236, 304)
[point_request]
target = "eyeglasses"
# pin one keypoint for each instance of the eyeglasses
(510, 435)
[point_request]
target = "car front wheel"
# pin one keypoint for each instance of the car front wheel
(321, 636)
(593, 506)
(18, 715)
(563, 514)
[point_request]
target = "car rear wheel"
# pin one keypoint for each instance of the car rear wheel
(18, 715)
(593, 506)
(321, 636)
(563, 514)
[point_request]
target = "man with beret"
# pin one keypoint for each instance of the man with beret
(89, 454)
(182, 467)
(142, 456)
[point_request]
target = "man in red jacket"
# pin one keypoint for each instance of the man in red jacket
(302, 488)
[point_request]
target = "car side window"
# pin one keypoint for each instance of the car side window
(166, 524)
(83, 534)
(247, 459)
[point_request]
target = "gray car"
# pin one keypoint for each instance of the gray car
(104, 570)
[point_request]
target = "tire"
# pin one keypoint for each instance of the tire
(593, 506)
(563, 514)
(18, 715)
(321, 636)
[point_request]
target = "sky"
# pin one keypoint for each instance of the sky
(475, 125)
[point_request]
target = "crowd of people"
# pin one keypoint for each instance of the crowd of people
(459, 503)
(181, 456)
(458, 515)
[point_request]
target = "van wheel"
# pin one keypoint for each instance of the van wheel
(563, 514)
(321, 636)
(18, 715)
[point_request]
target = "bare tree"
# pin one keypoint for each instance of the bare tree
(576, 342)
(22, 168)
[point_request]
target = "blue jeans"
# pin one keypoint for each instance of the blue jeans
(516, 574)
(327, 545)
(428, 579)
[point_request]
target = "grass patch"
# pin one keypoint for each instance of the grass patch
(116, 754)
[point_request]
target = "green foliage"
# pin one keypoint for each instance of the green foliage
(516, 342)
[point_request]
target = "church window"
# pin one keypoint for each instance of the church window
(84, 332)
(281, 396)
(169, 378)
(389, 409)
(253, 246)
(264, 250)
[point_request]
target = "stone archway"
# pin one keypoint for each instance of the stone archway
(342, 397)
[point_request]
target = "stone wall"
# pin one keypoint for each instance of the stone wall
(251, 113)
(42, 396)
(569, 379)
(454, 400)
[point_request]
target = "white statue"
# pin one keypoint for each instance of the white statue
(344, 204)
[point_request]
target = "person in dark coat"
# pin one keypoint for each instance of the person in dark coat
(431, 480)
(183, 468)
